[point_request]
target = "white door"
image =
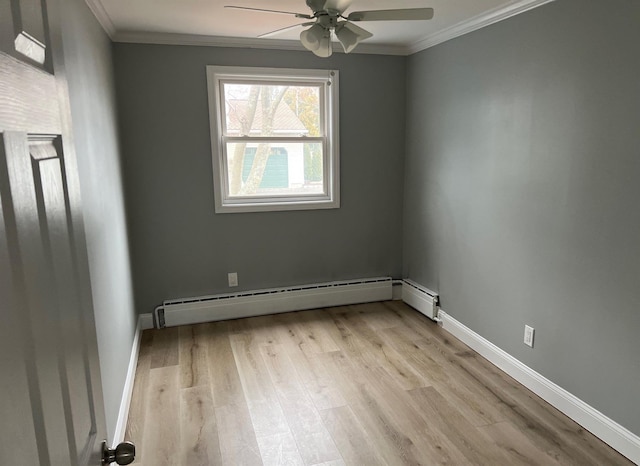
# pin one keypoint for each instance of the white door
(51, 408)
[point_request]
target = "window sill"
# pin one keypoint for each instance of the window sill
(274, 207)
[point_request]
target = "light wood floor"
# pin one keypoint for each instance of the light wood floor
(357, 385)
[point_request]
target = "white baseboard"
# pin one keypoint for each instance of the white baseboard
(146, 321)
(127, 391)
(609, 431)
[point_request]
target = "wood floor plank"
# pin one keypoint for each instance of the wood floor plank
(279, 450)
(310, 371)
(394, 445)
(517, 445)
(223, 373)
(463, 396)
(466, 437)
(350, 437)
(313, 326)
(199, 433)
(161, 445)
(292, 329)
(263, 330)
(265, 410)
(314, 442)
(318, 382)
(165, 347)
(254, 376)
(378, 316)
(433, 444)
(394, 412)
(347, 342)
(194, 369)
(370, 342)
(238, 444)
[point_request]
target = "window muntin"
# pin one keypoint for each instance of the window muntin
(284, 124)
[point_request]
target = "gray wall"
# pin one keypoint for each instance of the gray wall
(181, 248)
(522, 187)
(90, 75)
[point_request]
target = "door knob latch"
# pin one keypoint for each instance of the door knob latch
(124, 453)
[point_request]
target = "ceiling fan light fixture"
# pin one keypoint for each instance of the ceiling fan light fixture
(350, 35)
(325, 50)
(312, 37)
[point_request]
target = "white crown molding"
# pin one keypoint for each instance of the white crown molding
(244, 42)
(98, 10)
(477, 22)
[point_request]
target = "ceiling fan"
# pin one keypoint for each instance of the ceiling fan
(326, 20)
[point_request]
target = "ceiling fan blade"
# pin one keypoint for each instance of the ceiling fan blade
(392, 15)
(297, 15)
(278, 31)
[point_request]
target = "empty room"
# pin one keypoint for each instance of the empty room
(321, 232)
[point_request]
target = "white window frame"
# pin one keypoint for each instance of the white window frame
(328, 82)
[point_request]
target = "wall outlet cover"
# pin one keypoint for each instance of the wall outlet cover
(528, 335)
(233, 279)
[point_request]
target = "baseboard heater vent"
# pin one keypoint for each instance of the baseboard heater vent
(271, 301)
(420, 298)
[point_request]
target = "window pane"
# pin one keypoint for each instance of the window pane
(275, 169)
(270, 110)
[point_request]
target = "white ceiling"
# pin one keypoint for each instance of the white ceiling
(205, 22)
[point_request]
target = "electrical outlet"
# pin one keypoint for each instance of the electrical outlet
(528, 335)
(233, 278)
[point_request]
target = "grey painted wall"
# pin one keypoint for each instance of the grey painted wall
(181, 248)
(90, 75)
(522, 187)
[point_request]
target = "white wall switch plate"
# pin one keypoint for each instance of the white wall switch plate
(233, 279)
(528, 335)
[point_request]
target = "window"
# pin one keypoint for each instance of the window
(274, 138)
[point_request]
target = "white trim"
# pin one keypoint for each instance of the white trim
(98, 10)
(327, 82)
(243, 42)
(146, 321)
(274, 301)
(609, 431)
(127, 390)
(477, 22)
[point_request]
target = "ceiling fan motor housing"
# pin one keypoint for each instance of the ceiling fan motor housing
(329, 20)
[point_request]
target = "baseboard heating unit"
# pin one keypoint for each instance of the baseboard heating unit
(420, 298)
(271, 301)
